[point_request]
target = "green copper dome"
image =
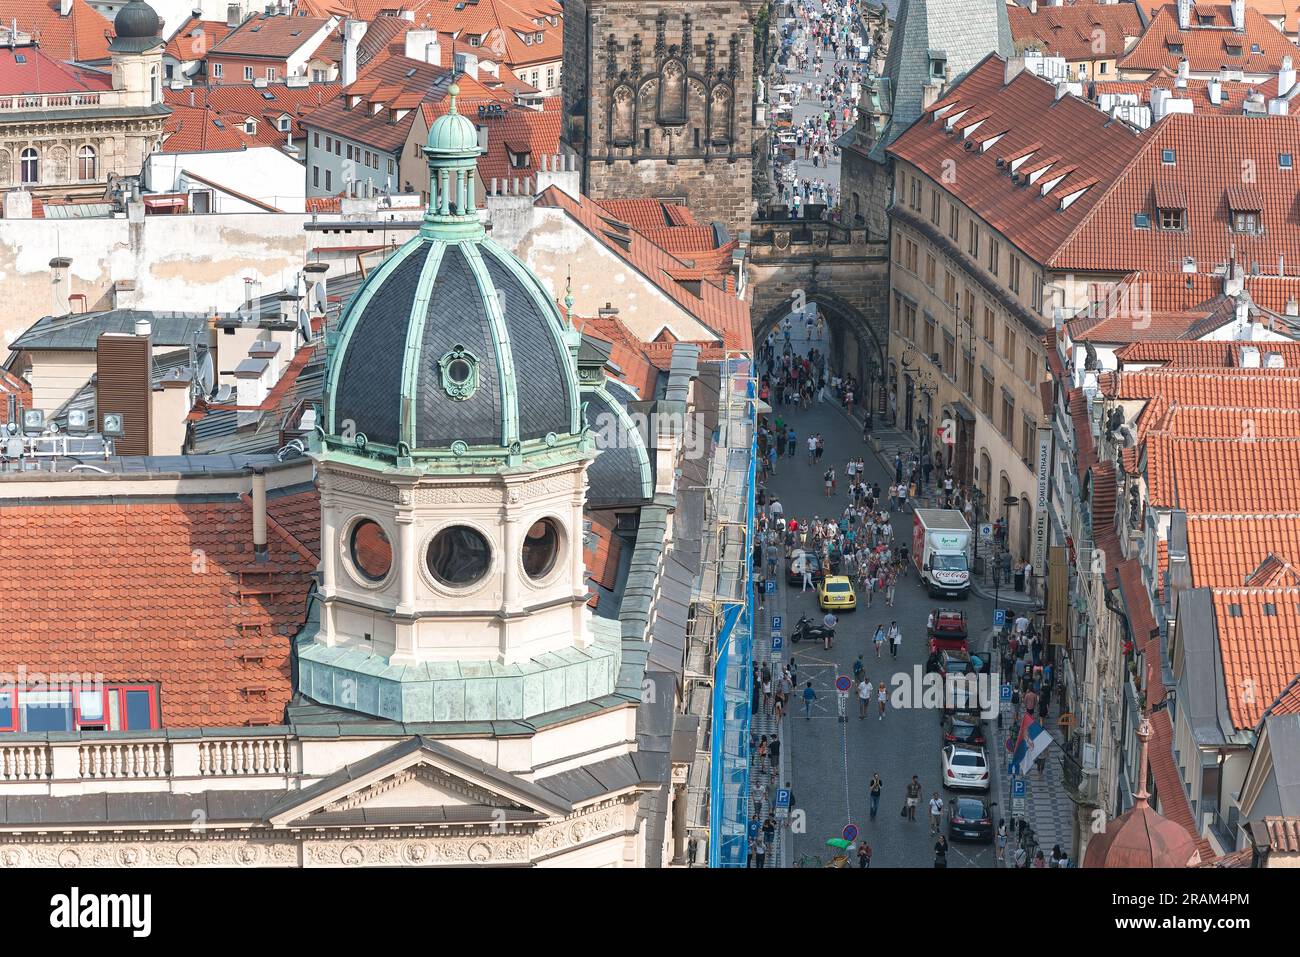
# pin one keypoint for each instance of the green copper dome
(452, 354)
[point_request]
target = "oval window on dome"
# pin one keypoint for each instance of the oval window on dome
(458, 556)
(371, 551)
(541, 546)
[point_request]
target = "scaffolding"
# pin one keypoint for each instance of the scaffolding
(719, 647)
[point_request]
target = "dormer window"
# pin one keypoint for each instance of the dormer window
(938, 68)
(1168, 157)
(1172, 219)
(1234, 49)
(1205, 19)
(1246, 221)
(519, 159)
(283, 124)
(1175, 48)
(250, 126)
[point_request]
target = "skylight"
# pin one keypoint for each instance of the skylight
(1168, 157)
(1141, 221)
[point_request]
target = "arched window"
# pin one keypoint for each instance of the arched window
(154, 90)
(623, 131)
(30, 166)
(87, 163)
(672, 94)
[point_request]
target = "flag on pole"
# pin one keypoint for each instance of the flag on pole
(1032, 741)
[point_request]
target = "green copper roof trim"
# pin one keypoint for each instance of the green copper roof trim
(546, 308)
(473, 460)
(414, 340)
(357, 307)
(501, 342)
(643, 453)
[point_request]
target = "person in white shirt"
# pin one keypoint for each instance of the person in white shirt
(864, 697)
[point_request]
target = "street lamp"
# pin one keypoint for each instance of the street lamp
(1008, 504)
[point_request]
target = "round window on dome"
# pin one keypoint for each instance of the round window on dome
(541, 546)
(459, 371)
(458, 556)
(371, 551)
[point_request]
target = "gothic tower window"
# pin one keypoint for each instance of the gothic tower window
(672, 94)
(720, 115)
(623, 126)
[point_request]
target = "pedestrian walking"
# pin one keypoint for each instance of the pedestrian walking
(913, 798)
(864, 855)
(762, 753)
(809, 696)
(1001, 852)
(879, 639)
(936, 813)
(774, 753)
(864, 697)
(875, 788)
(880, 700)
(895, 639)
(940, 852)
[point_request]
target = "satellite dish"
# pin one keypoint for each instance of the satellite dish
(304, 325)
(319, 291)
(205, 374)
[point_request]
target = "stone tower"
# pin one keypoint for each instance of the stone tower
(659, 101)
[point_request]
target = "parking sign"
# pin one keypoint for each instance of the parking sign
(778, 642)
(999, 617)
(776, 623)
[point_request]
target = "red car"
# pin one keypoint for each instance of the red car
(946, 630)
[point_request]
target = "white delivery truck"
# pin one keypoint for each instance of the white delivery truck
(941, 547)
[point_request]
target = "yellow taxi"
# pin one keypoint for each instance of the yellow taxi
(836, 593)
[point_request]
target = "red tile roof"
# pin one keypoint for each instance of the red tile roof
(1232, 97)
(1259, 639)
(717, 308)
(82, 36)
(1208, 353)
(38, 72)
(1288, 701)
(195, 130)
(1206, 48)
(602, 550)
(1257, 475)
(525, 132)
(1225, 550)
(1283, 834)
(163, 592)
(237, 103)
(626, 351)
(1169, 783)
(1210, 150)
(195, 38)
(1028, 114)
(1233, 388)
(278, 37)
(1071, 31)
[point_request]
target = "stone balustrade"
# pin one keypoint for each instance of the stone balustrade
(22, 102)
(69, 763)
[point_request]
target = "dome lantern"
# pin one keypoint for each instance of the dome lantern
(136, 28)
(452, 150)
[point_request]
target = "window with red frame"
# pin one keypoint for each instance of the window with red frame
(79, 708)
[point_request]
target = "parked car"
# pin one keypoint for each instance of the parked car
(970, 818)
(794, 574)
(965, 768)
(956, 668)
(964, 729)
(946, 629)
(835, 593)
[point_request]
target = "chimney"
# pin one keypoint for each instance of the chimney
(65, 8)
(123, 294)
(1239, 15)
(169, 407)
(250, 389)
(1159, 103)
(270, 351)
(1033, 6)
(353, 31)
(560, 170)
(1293, 307)
(260, 551)
(1285, 76)
(1184, 70)
(1277, 107)
(316, 290)
(233, 15)
(289, 307)
(124, 384)
(1184, 14)
(1015, 66)
(1274, 360)
(467, 63)
(423, 45)
(1249, 357)
(1215, 90)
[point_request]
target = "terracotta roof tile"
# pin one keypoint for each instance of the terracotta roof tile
(1084, 137)
(1069, 31)
(195, 38)
(1221, 476)
(1259, 639)
(265, 35)
(1169, 783)
(81, 36)
(38, 72)
(1224, 550)
(155, 595)
(1232, 94)
(627, 352)
(1207, 48)
(1283, 834)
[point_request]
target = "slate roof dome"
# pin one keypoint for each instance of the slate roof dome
(452, 349)
(136, 27)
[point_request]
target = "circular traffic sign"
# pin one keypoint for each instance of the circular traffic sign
(843, 683)
(850, 832)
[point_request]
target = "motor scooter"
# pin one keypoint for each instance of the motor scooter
(805, 630)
